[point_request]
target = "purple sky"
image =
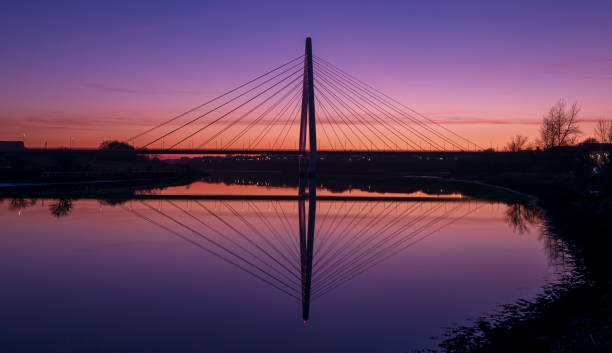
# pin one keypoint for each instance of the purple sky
(96, 70)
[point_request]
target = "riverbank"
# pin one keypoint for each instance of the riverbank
(572, 316)
(67, 166)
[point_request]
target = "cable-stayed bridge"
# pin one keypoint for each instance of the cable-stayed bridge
(305, 106)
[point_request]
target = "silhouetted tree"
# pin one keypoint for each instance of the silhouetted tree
(560, 125)
(517, 143)
(589, 140)
(603, 131)
(61, 208)
(115, 146)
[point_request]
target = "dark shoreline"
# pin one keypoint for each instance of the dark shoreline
(572, 316)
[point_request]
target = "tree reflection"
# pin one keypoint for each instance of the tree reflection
(17, 204)
(61, 208)
(521, 216)
(556, 249)
(113, 202)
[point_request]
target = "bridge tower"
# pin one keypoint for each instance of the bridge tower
(308, 115)
(306, 231)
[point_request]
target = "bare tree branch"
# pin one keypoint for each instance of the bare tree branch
(517, 143)
(560, 125)
(603, 131)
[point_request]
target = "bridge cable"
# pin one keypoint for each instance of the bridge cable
(337, 236)
(292, 103)
(290, 231)
(347, 84)
(395, 252)
(292, 122)
(286, 127)
(248, 240)
(212, 100)
(279, 236)
(329, 234)
(263, 237)
(395, 101)
(344, 118)
(324, 237)
(320, 225)
(359, 96)
(325, 101)
(330, 81)
(317, 102)
(221, 247)
(240, 106)
(226, 237)
(325, 258)
(210, 212)
(220, 106)
(357, 245)
(320, 102)
(403, 138)
(372, 128)
(322, 221)
(274, 231)
(357, 252)
(361, 260)
(362, 248)
(260, 117)
(200, 246)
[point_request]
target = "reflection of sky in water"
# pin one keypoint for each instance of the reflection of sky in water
(386, 275)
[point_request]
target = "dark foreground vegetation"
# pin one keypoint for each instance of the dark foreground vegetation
(113, 161)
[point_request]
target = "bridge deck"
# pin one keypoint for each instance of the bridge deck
(248, 152)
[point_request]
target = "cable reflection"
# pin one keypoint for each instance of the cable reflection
(259, 237)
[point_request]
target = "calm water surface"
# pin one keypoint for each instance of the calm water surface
(159, 274)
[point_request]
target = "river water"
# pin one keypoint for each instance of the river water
(212, 267)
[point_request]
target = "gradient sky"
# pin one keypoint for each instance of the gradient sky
(94, 70)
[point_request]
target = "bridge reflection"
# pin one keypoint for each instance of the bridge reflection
(274, 240)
